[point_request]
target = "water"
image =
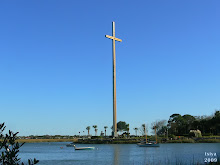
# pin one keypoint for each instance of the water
(53, 154)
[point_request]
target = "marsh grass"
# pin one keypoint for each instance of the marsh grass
(44, 140)
(181, 141)
(208, 141)
(119, 141)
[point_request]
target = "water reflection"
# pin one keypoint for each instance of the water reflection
(116, 154)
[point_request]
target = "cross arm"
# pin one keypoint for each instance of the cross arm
(113, 38)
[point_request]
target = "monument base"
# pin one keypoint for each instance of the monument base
(114, 134)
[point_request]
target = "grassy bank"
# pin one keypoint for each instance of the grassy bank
(181, 141)
(195, 141)
(118, 141)
(44, 140)
(208, 141)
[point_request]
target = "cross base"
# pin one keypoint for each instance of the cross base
(114, 134)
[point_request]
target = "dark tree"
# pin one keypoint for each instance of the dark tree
(122, 126)
(188, 122)
(215, 121)
(175, 122)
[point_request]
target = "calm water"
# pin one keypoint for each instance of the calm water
(52, 154)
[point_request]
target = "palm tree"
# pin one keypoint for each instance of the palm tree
(105, 129)
(96, 131)
(88, 128)
(136, 129)
(143, 129)
(95, 126)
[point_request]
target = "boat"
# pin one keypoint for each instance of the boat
(148, 144)
(83, 148)
(70, 145)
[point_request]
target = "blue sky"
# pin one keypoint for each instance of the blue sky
(56, 64)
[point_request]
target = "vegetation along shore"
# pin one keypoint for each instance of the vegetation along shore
(177, 129)
(107, 140)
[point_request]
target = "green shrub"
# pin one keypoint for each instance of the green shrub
(207, 134)
(192, 134)
(172, 136)
(181, 141)
(185, 135)
(10, 149)
(209, 141)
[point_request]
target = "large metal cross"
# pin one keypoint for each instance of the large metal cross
(114, 131)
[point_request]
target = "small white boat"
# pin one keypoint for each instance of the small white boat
(148, 145)
(83, 148)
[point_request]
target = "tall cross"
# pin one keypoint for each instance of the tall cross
(114, 132)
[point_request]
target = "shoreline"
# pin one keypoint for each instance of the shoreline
(113, 141)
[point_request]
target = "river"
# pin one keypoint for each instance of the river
(114, 154)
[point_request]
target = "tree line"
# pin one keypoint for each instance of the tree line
(181, 125)
(178, 125)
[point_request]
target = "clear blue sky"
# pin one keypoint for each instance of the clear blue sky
(56, 64)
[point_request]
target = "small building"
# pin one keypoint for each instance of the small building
(195, 133)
